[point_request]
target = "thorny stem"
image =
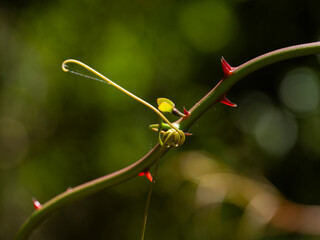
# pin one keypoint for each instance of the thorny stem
(244, 70)
(38, 216)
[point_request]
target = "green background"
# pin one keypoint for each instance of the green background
(58, 130)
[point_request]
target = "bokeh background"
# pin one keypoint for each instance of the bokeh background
(58, 130)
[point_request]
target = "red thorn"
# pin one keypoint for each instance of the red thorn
(227, 69)
(37, 205)
(226, 101)
(188, 134)
(186, 112)
(147, 174)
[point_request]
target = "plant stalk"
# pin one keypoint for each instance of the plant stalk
(198, 110)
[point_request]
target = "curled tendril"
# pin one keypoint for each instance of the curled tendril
(66, 68)
(169, 137)
(173, 138)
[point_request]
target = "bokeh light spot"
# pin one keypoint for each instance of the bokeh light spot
(208, 25)
(275, 132)
(250, 109)
(196, 164)
(299, 91)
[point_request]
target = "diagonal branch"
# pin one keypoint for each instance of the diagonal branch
(38, 216)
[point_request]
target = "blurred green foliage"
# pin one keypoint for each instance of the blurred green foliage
(58, 130)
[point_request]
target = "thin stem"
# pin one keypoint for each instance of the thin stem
(148, 160)
(159, 131)
(65, 68)
(145, 216)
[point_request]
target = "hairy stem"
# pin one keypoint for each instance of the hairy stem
(150, 158)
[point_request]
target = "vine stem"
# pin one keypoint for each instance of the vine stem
(73, 61)
(38, 216)
(242, 71)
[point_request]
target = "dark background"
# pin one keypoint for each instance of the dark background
(58, 130)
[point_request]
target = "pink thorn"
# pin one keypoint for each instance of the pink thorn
(188, 134)
(186, 112)
(226, 101)
(37, 205)
(227, 69)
